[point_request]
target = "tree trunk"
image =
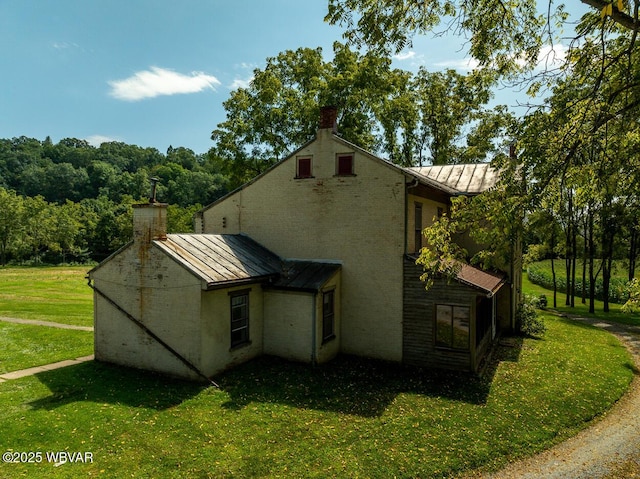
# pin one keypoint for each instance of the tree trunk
(573, 267)
(592, 279)
(584, 263)
(633, 251)
(568, 253)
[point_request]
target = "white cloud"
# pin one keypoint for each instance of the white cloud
(97, 140)
(240, 83)
(64, 45)
(464, 64)
(550, 57)
(159, 81)
(405, 56)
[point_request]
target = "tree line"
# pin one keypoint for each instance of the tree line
(71, 201)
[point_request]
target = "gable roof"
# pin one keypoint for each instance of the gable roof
(466, 179)
(407, 172)
(221, 260)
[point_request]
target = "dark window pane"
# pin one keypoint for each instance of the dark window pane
(345, 165)
(304, 167)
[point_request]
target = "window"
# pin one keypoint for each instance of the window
(328, 315)
(239, 318)
(452, 326)
(303, 167)
(344, 165)
(418, 227)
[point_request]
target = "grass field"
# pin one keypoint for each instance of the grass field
(580, 309)
(58, 294)
(619, 270)
(272, 418)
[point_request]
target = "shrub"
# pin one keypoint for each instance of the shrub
(527, 319)
(633, 303)
(618, 291)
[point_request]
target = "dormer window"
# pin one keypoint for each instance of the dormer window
(344, 164)
(303, 167)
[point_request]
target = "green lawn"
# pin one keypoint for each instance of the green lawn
(581, 309)
(349, 418)
(25, 346)
(58, 294)
(619, 271)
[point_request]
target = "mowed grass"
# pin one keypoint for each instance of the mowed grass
(351, 417)
(58, 294)
(53, 294)
(579, 309)
(24, 346)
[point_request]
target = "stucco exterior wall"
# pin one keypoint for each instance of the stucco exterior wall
(288, 324)
(162, 295)
(215, 337)
(359, 220)
(429, 212)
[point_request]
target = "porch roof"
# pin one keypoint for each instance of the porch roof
(490, 283)
(301, 275)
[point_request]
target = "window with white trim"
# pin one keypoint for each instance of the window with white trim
(239, 318)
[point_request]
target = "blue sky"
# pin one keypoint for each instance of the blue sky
(153, 73)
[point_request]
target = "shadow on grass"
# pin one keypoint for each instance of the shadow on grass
(106, 383)
(347, 385)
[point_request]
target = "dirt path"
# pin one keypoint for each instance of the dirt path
(45, 323)
(599, 450)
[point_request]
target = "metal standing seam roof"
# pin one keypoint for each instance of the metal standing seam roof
(468, 179)
(222, 260)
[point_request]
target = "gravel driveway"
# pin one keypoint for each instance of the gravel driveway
(599, 450)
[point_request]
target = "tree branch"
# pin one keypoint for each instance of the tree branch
(621, 18)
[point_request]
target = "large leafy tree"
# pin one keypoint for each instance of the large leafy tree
(411, 119)
(504, 36)
(279, 110)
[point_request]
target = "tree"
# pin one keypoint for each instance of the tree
(410, 119)
(11, 218)
(279, 110)
(450, 110)
(505, 37)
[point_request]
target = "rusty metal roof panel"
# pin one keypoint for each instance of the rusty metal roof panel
(483, 280)
(221, 259)
(468, 179)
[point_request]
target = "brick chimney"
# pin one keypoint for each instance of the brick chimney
(149, 222)
(329, 118)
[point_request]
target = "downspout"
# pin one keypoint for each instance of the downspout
(314, 358)
(142, 326)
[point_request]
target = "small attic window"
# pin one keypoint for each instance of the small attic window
(303, 167)
(344, 164)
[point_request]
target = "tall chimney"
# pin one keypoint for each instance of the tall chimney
(149, 222)
(329, 118)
